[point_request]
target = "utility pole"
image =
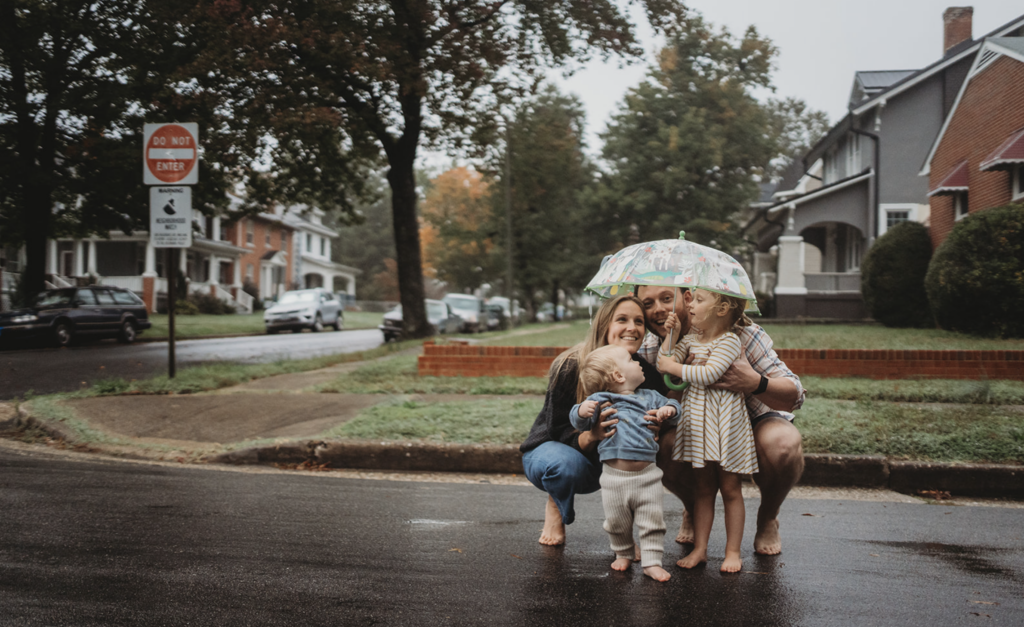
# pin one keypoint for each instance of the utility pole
(508, 221)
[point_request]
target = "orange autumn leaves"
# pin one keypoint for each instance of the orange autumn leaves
(457, 228)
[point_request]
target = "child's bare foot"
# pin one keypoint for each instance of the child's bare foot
(732, 564)
(685, 535)
(553, 533)
(621, 563)
(695, 558)
(767, 540)
(657, 573)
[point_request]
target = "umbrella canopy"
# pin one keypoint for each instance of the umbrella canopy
(674, 263)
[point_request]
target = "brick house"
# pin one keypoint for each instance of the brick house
(977, 160)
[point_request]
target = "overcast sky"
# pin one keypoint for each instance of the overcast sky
(821, 44)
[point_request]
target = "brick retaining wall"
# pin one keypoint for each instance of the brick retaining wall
(456, 359)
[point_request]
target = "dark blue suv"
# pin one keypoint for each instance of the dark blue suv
(65, 314)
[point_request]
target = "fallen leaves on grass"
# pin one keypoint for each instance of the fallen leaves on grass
(306, 465)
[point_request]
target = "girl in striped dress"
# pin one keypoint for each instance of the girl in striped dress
(714, 432)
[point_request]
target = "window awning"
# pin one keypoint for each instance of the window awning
(954, 183)
(1008, 155)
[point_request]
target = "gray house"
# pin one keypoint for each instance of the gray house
(862, 178)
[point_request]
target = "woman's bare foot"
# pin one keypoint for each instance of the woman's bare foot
(657, 573)
(767, 540)
(553, 533)
(685, 535)
(732, 564)
(621, 563)
(695, 558)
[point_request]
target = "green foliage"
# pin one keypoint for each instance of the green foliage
(206, 303)
(185, 308)
(961, 391)
(892, 276)
(975, 282)
(689, 143)
(795, 128)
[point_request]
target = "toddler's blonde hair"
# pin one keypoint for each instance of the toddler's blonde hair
(596, 371)
(733, 308)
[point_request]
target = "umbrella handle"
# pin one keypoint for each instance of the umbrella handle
(677, 387)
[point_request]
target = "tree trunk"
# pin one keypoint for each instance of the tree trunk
(402, 180)
(554, 301)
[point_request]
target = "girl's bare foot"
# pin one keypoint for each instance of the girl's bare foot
(732, 564)
(657, 573)
(685, 535)
(553, 533)
(621, 563)
(767, 540)
(695, 558)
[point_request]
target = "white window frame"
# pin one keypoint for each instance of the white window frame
(885, 209)
(1017, 191)
(831, 167)
(854, 248)
(961, 205)
(309, 242)
(250, 233)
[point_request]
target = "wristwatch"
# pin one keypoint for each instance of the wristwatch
(762, 386)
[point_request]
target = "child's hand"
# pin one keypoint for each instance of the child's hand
(665, 412)
(672, 321)
(668, 365)
(653, 423)
(587, 409)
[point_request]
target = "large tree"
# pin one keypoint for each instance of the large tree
(398, 74)
(548, 173)
(688, 145)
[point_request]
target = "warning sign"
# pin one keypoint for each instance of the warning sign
(170, 217)
(171, 154)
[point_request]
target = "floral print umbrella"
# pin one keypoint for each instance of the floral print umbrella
(673, 263)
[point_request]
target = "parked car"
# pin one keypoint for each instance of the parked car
(496, 319)
(311, 309)
(470, 309)
(439, 315)
(63, 315)
(546, 313)
(513, 312)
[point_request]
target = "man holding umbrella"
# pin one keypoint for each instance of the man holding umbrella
(771, 391)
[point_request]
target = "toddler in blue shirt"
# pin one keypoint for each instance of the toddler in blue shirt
(630, 481)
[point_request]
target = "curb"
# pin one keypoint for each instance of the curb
(862, 471)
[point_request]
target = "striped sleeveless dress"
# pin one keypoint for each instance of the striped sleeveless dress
(714, 425)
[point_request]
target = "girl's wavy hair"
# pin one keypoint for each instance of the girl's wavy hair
(734, 308)
(597, 336)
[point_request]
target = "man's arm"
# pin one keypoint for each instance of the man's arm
(782, 393)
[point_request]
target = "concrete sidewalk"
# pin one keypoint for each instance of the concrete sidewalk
(280, 420)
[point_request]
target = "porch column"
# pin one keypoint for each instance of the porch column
(791, 290)
(79, 253)
(238, 273)
(150, 260)
(216, 229)
(214, 269)
(91, 264)
(183, 262)
(51, 257)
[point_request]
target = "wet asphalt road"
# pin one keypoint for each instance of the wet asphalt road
(49, 370)
(88, 542)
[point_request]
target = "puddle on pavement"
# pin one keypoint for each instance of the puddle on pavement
(969, 559)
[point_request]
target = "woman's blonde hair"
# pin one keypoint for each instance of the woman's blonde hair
(597, 336)
(596, 372)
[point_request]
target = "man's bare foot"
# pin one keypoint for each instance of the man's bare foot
(767, 540)
(553, 533)
(657, 573)
(695, 558)
(621, 563)
(685, 535)
(732, 564)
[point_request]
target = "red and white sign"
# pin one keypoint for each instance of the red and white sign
(171, 154)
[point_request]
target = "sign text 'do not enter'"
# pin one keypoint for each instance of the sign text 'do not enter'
(171, 154)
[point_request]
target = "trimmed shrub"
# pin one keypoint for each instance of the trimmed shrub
(185, 308)
(210, 304)
(892, 277)
(975, 282)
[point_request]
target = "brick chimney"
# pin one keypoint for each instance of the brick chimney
(957, 23)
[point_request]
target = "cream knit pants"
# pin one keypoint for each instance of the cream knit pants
(630, 497)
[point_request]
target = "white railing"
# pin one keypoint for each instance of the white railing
(832, 281)
(245, 300)
(196, 287)
(133, 283)
(160, 285)
(224, 295)
(59, 281)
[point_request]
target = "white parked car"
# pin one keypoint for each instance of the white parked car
(470, 309)
(311, 309)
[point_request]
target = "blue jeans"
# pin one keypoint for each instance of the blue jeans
(562, 472)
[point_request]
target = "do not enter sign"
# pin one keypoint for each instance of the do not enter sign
(171, 154)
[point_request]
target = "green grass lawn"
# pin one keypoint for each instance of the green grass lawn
(203, 325)
(845, 336)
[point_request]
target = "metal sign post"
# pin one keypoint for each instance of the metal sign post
(170, 157)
